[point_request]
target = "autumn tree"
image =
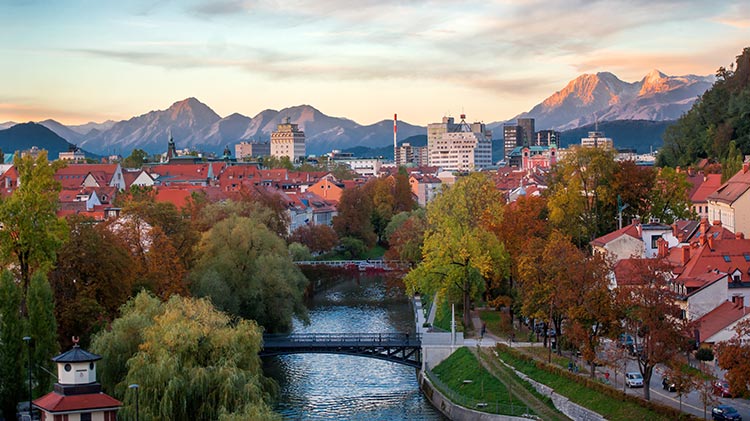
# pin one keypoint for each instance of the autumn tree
(12, 345)
(734, 356)
(380, 191)
(462, 257)
(406, 236)
(591, 311)
(91, 280)
(246, 270)
(524, 220)
(136, 159)
(190, 361)
(651, 314)
(32, 233)
(578, 190)
(402, 193)
(669, 198)
(633, 184)
(354, 213)
(318, 238)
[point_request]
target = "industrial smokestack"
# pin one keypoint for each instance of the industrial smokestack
(395, 145)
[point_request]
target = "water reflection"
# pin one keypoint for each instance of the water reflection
(340, 387)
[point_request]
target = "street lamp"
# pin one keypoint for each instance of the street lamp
(27, 339)
(136, 387)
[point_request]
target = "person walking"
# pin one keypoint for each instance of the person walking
(484, 329)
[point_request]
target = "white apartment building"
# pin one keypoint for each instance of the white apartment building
(459, 147)
(289, 141)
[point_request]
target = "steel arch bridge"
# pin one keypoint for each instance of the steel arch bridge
(401, 348)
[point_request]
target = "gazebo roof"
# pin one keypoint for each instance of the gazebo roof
(76, 355)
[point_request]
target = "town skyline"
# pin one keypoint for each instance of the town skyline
(77, 62)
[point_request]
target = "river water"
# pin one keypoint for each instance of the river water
(340, 387)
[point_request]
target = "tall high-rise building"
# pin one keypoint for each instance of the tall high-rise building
(289, 141)
(512, 138)
(459, 147)
(527, 126)
(546, 138)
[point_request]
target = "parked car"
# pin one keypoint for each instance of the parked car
(625, 340)
(635, 350)
(725, 412)
(634, 379)
(668, 384)
(721, 388)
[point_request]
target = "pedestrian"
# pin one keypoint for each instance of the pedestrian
(484, 328)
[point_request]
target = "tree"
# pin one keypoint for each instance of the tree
(380, 191)
(92, 279)
(246, 270)
(12, 346)
(669, 197)
(32, 233)
(407, 237)
(578, 191)
(273, 162)
(733, 162)
(42, 328)
(353, 219)
(462, 257)
(633, 184)
(318, 238)
(136, 159)
(299, 252)
(684, 380)
(734, 356)
(190, 361)
(402, 194)
(650, 312)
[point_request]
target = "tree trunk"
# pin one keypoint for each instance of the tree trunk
(647, 382)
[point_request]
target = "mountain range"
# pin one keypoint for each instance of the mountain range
(588, 98)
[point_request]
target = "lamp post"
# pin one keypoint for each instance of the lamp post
(27, 339)
(135, 386)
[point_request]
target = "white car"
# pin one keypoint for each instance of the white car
(634, 379)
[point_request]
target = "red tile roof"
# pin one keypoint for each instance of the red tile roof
(734, 188)
(719, 318)
(631, 230)
(53, 402)
(703, 185)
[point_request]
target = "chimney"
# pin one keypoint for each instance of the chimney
(739, 236)
(745, 167)
(717, 223)
(674, 230)
(685, 254)
(710, 241)
(662, 248)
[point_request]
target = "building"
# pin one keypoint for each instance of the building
(527, 129)
(730, 203)
(435, 131)
(288, 141)
(461, 147)
(73, 154)
(403, 155)
(512, 138)
(77, 395)
(244, 150)
(546, 138)
(597, 139)
(362, 166)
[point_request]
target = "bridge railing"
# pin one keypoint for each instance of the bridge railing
(344, 338)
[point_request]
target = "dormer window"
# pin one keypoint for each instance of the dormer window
(727, 258)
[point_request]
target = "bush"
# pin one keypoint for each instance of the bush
(704, 354)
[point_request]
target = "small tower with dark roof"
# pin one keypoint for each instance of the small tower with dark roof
(77, 391)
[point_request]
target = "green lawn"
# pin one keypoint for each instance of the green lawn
(462, 373)
(443, 317)
(609, 407)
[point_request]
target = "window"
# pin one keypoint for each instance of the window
(86, 416)
(654, 239)
(727, 258)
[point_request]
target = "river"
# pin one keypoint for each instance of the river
(340, 387)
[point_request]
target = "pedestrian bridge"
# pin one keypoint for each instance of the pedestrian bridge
(401, 348)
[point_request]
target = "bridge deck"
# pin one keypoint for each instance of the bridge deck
(401, 348)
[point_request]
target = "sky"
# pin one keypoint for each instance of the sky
(93, 60)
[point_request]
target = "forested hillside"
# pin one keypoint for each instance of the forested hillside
(720, 116)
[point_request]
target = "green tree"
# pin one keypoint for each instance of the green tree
(406, 236)
(190, 361)
(246, 270)
(462, 257)
(733, 162)
(42, 328)
(273, 162)
(299, 252)
(32, 233)
(578, 191)
(669, 197)
(11, 345)
(136, 159)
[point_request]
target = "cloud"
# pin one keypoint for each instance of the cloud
(35, 111)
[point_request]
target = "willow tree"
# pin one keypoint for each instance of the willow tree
(190, 361)
(32, 233)
(246, 270)
(461, 255)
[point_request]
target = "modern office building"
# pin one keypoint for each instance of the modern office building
(289, 141)
(249, 149)
(597, 139)
(459, 146)
(512, 138)
(546, 138)
(527, 127)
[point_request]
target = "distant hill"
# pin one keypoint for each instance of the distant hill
(641, 135)
(25, 135)
(386, 151)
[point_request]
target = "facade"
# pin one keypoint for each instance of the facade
(404, 155)
(72, 155)
(77, 396)
(527, 129)
(288, 141)
(362, 166)
(435, 131)
(512, 138)
(730, 203)
(597, 139)
(547, 138)
(425, 187)
(462, 147)
(250, 149)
